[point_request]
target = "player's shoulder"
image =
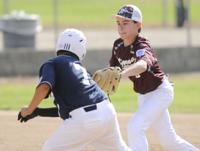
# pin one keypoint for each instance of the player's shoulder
(46, 63)
(66, 58)
(118, 41)
(61, 59)
(142, 42)
(50, 62)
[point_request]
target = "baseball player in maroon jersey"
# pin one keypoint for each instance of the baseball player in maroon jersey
(134, 54)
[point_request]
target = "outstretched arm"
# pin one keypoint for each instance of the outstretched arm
(134, 69)
(43, 112)
(48, 112)
(40, 93)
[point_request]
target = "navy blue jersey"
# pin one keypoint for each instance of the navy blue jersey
(70, 83)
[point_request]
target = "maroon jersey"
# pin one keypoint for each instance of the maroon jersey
(140, 49)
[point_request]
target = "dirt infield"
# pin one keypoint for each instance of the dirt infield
(15, 136)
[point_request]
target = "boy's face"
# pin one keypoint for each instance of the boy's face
(127, 29)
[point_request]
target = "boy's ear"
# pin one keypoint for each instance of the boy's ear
(139, 25)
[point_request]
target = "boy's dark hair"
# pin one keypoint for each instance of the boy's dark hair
(68, 53)
(139, 30)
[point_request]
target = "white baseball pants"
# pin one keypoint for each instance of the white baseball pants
(153, 112)
(98, 128)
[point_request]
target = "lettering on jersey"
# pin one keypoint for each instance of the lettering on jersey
(93, 95)
(85, 79)
(140, 52)
(126, 63)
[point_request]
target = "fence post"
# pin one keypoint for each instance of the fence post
(188, 18)
(56, 20)
(165, 12)
(5, 6)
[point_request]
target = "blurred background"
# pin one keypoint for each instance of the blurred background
(29, 29)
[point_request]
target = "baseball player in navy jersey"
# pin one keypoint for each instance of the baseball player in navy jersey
(135, 56)
(89, 117)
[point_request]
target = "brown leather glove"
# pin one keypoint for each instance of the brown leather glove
(108, 79)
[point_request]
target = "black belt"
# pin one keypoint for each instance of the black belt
(90, 108)
(86, 109)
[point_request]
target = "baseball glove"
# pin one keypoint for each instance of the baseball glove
(108, 79)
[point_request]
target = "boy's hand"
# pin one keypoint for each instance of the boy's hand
(24, 115)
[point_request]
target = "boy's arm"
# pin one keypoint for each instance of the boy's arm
(43, 112)
(48, 112)
(134, 69)
(40, 93)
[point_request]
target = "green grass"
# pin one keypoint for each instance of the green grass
(98, 13)
(14, 95)
(186, 96)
